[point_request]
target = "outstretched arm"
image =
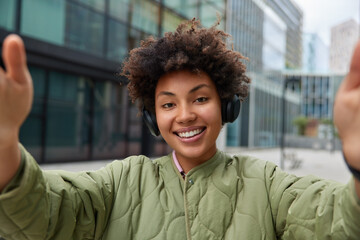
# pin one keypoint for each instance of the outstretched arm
(347, 114)
(16, 94)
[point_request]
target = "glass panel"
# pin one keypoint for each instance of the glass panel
(145, 16)
(7, 14)
(134, 131)
(117, 41)
(135, 38)
(119, 9)
(44, 20)
(170, 21)
(109, 117)
(67, 129)
(208, 15)
(187, 8)
(96, 4)
(31, 130)
(84, 29)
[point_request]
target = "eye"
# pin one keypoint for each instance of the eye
(167, 105)
(201, 99)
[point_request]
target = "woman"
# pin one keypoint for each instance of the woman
(187, 84)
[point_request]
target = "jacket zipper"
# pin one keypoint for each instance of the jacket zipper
(188, 232)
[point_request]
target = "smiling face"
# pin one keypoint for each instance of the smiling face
(188, 113)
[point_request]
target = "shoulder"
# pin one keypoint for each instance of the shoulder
(138, 165)
(251, 166)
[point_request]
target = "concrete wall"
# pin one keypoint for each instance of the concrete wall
(312, 143)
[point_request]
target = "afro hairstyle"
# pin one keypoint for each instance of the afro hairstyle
(191, 47)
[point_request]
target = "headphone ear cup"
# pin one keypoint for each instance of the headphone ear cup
(230, 109)
(150, 122)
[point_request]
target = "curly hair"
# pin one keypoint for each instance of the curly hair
(193, 48)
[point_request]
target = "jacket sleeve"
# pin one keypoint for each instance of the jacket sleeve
(312, 208)
(56, 204)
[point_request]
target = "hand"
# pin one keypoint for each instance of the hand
(347, 111)
(16, 90)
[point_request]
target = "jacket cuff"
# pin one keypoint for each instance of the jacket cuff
(15, 181)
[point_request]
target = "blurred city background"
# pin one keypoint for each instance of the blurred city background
(81, 108)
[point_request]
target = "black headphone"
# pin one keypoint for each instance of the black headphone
(230, 110)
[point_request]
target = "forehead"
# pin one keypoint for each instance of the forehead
(183, 80)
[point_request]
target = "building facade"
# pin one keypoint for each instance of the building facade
(343, 40)
(269, 34)
(315, 54)
(81, 108)
(317, 93)
(292, 15)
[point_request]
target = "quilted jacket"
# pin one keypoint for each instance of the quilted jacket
(224, 198)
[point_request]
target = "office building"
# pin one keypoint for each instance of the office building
(269, 34)
(315, 54)
(343, 39)
(317, 93)
(292, 15)
(81, 108)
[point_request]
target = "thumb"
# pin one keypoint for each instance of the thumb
(14, 58)
(352, 80)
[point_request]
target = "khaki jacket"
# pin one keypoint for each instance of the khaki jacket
(224, 198)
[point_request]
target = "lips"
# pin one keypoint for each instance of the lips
(189, 133)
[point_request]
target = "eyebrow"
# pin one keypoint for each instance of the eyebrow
(166, 93)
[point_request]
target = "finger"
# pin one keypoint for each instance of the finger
(352, 80)
(2, 75)
(14, 57)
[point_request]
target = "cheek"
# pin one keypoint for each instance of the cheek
(163, 121)
(212, 115)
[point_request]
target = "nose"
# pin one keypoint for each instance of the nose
(185, 114)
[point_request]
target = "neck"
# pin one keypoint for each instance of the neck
(186, 164)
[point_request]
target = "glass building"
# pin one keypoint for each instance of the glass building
(268, 33)
(260, 124)
(315, 54)
(81, 108)
(292, 16)
(317, 93)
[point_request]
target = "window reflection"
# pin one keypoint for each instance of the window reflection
(119, 9)
(109, 120)
(84, 29)
(170, 21)
(145, 16)
(67, 129)
(95, 4)
(117, 41)
(32, 129)
(186, 8)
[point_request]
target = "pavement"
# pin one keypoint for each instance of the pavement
(323, 163)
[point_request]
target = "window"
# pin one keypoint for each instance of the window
(68, 117)
(145, 16)
(109, 120)
(32, 129)
(44, 20)
(119, 9)
(86, 34)
(7, 14)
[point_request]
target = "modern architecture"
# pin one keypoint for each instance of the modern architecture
(343, 39)
(81, 108)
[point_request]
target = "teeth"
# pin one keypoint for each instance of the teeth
(190, 134)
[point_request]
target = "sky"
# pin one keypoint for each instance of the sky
(321, 15)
